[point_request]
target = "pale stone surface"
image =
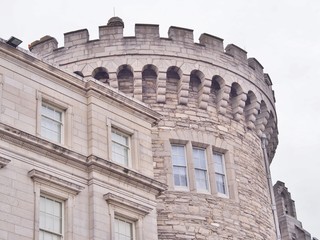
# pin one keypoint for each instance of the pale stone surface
(180, 92)
(290, 226)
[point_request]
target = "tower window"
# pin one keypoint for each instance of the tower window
(220, 175)
(200, 168)
(179, 166)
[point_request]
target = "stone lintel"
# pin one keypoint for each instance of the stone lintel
(55, 181)
(116, 200)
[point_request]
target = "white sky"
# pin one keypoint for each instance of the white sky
(284, 35)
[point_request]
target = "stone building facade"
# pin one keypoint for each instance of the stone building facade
(290, 227)
(137, 137)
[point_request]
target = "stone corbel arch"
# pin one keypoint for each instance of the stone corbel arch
(251, 110)
(203, 93)
(125, 79)
(161, 87)
(237, 101)
(262, 118)
(137, 85)
(113, 80)
(221, 91)
(183, 89)
(149, 74)
(203, 88)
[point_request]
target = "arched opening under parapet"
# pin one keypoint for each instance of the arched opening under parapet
(272, 135)
(196, 77)
(234, 99)
(263, 108)
(125, 79)
(79, 73)
(262, 118)
(251, 109)
(101, 74)
(270, 125)
(235, 90)
(149, 83)
(217, 84)
(172, 84)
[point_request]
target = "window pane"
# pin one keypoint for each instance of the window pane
(42, 221)
(49, 206)
(120, 147)
(50, 219)
(42, 204)
(179, 166)
(178, 155)
(199, 158)
(57, 225)
(220, 182)
(49, 223)
(57, 209)
(180, 176)
(201, 179)
(123, 229)
(218, 163)
(119, 154)
(200, 165)
(51, 123)
(120, 138)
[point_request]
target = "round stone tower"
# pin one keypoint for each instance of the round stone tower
(216, 104)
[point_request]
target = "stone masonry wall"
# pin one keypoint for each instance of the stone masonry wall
(209, 97)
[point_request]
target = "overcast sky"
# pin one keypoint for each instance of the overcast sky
(284, 35)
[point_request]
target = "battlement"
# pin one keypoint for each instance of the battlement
(178, 38)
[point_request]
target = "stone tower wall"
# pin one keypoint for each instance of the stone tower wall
(209, 97)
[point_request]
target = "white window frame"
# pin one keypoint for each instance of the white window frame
(60, 122)
(66, 109)
(224, 174)
(206, 190)
(61, 234)
(57, 188)
(230, 182)
(126, 220)
(180, 187)
(132, 211)
(119, 132)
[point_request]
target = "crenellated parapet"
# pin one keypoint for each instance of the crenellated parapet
(112, 42)
(174, 70)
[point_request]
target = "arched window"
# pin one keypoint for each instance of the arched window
(196, 78)
(217, 84)
(149, 83)
(125, 79)
(251, 109)
(235, 100)
(101, 74)
(235, 90)
(173, 77)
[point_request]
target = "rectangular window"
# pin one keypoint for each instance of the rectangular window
(51, 123)
(120, 147)
(200, 168)
(123, 229)
(179, 166)
(220, 175)
(50, 219)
